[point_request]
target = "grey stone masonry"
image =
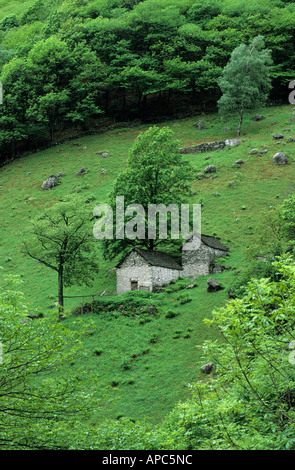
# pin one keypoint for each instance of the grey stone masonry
(198, 262)
(143, 270)
(205, 147)
(147, 270)
(210, 146)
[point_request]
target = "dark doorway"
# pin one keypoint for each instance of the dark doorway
(134, 285)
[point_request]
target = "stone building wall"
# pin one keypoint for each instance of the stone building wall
(197, 262)
(162, 276)
(204, 147)
(135, 268)
(210, 146)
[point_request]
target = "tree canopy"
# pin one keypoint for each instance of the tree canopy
(77, 61)
(245, 81)
(61, 239)
(156, 174)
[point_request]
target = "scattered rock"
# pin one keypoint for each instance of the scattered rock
(216, 268)
(280, 159)
(208, 368)
(33, 316)
(103, 170)
(258, 117)
(232, 142)
(213, 285)
(290, 139)
(82, 171)
(60, 174)
(210, 169)
(277, 136)
(200, 176)
(200, 125)
(50, 183)
(262, 152)
(105, 154)
(208, 158)
(227, 128)
(239, 162)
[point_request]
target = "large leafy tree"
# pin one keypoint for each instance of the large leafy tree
(245, 82)
(156, 173)
(61, 239)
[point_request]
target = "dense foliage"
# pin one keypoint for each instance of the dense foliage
(60, 238)
(65, 63)
(248, 402)
(38, 411)
(156, 174)
(245, 81)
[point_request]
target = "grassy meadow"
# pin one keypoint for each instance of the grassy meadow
(145, 366)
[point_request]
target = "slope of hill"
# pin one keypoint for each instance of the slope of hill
(146, 361)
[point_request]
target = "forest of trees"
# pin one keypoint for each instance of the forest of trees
(66, 64)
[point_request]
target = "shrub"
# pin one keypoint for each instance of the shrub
(184, 298)
(9, 22)
(171, 314)
(257, 269)
(97, 352)
(125, 363)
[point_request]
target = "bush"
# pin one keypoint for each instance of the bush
(132, 304)
(97, 352)
(9, 22)
(171, 314)
(257, 269)
(184, 298)
(125, 363)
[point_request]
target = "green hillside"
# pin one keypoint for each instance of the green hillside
(166, 354)
(82, 79)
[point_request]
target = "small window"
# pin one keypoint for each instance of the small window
(134, 285)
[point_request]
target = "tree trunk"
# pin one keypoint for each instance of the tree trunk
(60, 292)
(241, 120)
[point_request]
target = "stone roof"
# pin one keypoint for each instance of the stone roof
(212, 242)
(156, 258)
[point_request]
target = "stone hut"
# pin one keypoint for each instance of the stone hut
(145, 270)
(198, 255)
